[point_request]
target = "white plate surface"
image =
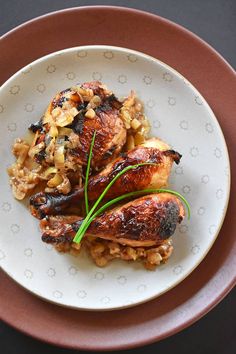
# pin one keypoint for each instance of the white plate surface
(178, 114)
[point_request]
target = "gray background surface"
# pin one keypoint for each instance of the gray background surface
(215, 22)
(212, 20)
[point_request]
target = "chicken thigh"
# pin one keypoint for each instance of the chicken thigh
(81, 110)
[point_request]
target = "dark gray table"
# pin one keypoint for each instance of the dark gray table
(215, 22)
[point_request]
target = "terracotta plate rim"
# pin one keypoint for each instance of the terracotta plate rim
(128, 345)
(230, 284)
(115, 8)
(211, 113)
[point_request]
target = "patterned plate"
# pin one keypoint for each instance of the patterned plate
(178, 114)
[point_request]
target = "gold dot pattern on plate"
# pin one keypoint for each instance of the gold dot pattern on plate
(132, 58)
(171, 101)
(6, 207)
(217, 153)
(183, 229)
(122, 279)
(28, 274)
(167, 77)
(122, 79)
(147, 80)
(194, 151)
(28, 252)
(81, 294)
(212, 229)
(209, 128)
(72, 270)
(195, 249)
(179, 170)
(51, 272)
(41, 88)
(82, 54)
(99, 276)
(96, 76)
(70, 75)
(178, 270)
(108, 54)
(11, 127)
(29, 107)
(51, 69)
(226, 171)
(15, 228)
(219, 193)
(205, 179)
(151, 103)
(198, 100)
(183, 124)
(201, 211)
(105, 300)
(14, 90)
(186, 189)
(57, 294)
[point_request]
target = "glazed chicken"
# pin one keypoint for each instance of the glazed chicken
(145, 221)
(81, 110)
(154, 175)
(58, 151)
(56, 157)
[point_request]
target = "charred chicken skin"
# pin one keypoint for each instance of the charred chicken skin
(57, 158)
(154, 175)
(143, 222)
(84, 109)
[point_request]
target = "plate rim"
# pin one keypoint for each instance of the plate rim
(114, 7)
(123, 50)
(226, 68)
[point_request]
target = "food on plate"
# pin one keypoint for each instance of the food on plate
(61, 138)
(145, 221)
(141, 224)
(99, 178)
(154, 175)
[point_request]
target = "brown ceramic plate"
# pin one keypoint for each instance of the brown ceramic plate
(215, 276)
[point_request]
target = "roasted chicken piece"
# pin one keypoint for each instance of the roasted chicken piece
(154, 175)
(74, 114)
(143, 222)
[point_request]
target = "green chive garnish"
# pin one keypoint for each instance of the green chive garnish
(87, 173)
(91, 215)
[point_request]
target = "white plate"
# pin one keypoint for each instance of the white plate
(178, 114)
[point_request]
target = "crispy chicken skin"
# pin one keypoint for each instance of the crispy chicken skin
(143, 222)
(147, 176)
(111, 132)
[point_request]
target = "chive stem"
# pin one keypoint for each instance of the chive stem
(87, 173)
